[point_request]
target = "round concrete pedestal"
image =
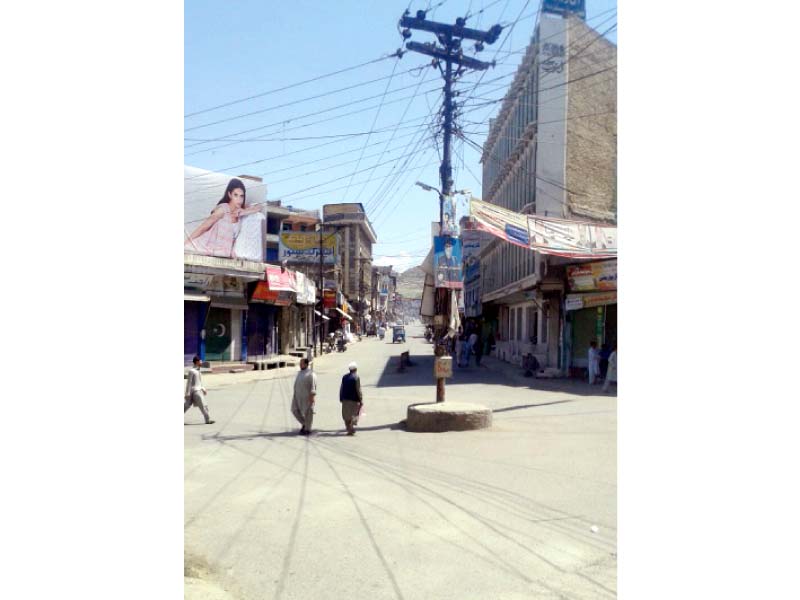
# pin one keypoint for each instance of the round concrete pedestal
(448, 416)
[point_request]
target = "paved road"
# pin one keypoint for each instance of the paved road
(505, 512)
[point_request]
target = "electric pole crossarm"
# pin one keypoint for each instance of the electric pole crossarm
(436, 52)
(490, 37)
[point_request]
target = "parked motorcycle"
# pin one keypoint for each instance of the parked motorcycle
(341, 342)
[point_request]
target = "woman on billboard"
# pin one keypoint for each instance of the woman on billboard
(231, 231)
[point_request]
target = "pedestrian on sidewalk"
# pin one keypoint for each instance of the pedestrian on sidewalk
(594, 362)
(305, 392)
(611, 375)
(605, 352)
(351, 398)
(472, 342)
(195, 391)
(478, 351)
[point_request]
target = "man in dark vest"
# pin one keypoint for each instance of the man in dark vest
(351, 399)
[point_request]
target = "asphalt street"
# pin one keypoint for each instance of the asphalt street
(525, 509)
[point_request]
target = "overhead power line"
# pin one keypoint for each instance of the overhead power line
(316, 97)
(290, 86)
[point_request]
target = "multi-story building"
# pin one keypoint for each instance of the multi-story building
(551, 150)
(383, 294)
(356, 236)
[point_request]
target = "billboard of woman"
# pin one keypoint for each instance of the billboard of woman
(231, 230)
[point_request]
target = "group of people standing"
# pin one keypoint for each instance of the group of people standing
(602, 364)
(466, 344)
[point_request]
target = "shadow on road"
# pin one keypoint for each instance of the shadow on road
(493, 374)
(521, 406)
(293, 433)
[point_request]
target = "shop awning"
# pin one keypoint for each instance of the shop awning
(319, 314)
(344, 314)
(196, 297)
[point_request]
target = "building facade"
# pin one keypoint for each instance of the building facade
(551, 150)
(356, 237)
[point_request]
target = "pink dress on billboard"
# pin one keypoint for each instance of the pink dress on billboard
(219, 239)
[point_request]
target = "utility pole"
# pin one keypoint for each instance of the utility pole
(449, 51)
(321, 291)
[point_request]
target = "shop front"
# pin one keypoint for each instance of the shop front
(195, 311)
(214, 317)
(591, 312)
(271, 327)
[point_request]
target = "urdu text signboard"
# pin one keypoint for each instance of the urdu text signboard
(303, 247)
(565, 7)
(579, 301)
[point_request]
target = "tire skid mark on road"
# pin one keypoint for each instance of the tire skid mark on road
(547, 520)
(230, 481)
(491, 555)
(215, 450)
(287, 559)
(384, 510)
(504, 464)
(363, 519)
(563, 528)
(381, 468)
(219, 555)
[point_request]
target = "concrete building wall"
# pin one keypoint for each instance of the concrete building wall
(551, 102)
(591, 169)
(548, 153)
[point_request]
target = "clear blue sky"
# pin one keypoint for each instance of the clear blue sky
(242, 49)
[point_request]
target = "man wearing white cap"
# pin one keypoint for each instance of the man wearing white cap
(350, 397)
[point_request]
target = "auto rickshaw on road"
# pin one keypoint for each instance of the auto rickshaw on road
(398, 334)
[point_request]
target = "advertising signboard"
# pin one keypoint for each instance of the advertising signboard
(559, 237)
(471, 249)
(443, 367)
(223, 216)
(592, 276)
(262, 293)
(564, 7)
(303, 247)
(280, 279)
(447, 262)
(449, 223)
(579, 301)
(329, 298)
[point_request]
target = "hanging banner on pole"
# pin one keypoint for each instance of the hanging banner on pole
(449, 225)
(447, 262)
(558, 237)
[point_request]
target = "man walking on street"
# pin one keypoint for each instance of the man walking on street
(351, 398)
(195, 391)
(472, 342)
(305, 391)
(478, 351)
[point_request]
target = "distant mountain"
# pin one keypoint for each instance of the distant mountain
(410, 282)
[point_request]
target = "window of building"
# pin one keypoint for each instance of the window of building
(545, 323)
(533, 330)
(286, 226)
